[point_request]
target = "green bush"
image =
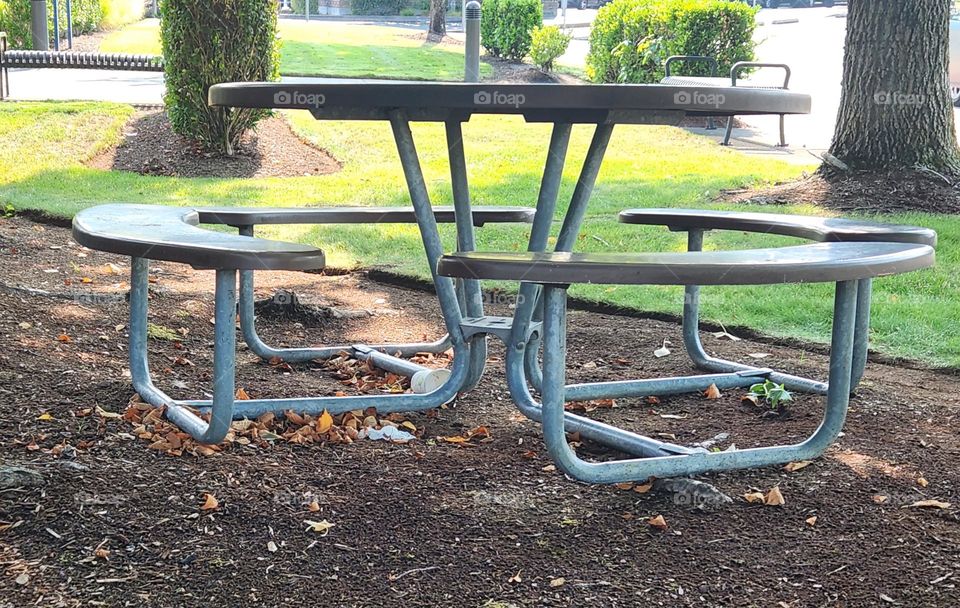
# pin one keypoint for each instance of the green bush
(15, 19)
(631, 39)
(506, 26)
(548, 43)
(209, 42)
(376, 7)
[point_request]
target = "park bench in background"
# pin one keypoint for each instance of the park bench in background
(62, 60)
(843, 263)
(734, 80)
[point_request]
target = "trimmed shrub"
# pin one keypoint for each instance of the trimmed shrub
(376, 7)
(205, 43)
(548, 43)
(506, 26)
(631, 39)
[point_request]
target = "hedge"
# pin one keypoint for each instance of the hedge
(209, 42)
(548, 43)
(631, 39)
(506, 26)
(88, 16)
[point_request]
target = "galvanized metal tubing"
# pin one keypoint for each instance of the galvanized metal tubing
(700, 358)
(248, 324)
(556, 423)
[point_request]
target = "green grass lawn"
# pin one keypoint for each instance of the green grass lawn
(324, 48)
(44, 146)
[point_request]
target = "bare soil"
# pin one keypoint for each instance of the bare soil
(862, 192)
(272, 149)
(433, 522)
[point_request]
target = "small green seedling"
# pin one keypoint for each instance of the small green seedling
(7, 210)
(771, 392)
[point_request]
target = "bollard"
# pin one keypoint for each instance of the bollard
(38, 25)
(472, 21)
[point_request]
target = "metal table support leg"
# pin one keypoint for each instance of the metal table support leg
(555, 421)
(471, 298)
(529, 308)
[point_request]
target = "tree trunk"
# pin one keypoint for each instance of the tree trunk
(896, 110)
(438, 18)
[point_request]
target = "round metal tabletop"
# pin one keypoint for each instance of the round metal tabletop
(589, 103)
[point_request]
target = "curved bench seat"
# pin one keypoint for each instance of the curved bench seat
(250, 216)
(815, 262)
(171, 234)
(801, 226)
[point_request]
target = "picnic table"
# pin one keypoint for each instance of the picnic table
(544, 276)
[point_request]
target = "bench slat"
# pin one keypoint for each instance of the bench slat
(811, 263)
(170, 233)
(239, 216)
(801, 226)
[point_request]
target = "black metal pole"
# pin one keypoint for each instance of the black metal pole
(38, 25)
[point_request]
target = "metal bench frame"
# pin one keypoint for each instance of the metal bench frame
(714, 80)
(846, 264)
(387, 356)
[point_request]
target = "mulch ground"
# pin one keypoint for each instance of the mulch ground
(272, 149)
(867, 192)
(480, 521)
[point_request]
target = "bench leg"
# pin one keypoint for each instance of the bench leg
(861, 341)
(728, 132)
(783, 133)
(223, 360)
(698, 355)
(637, 469)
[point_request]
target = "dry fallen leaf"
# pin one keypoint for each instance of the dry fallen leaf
(643, 488)
(774, 498)
(108, 415)
(922, 482)
(753, 497)
(658, 522)
(45, 416)
(102, 553)
(549, 468)
(515, 578)
(210, 503)
(880, 498)
(242, 395)
(811, 521)
(558, 582)
(320, 527)
(64, 338)
(624, 486)
(929, 504)
(792, 467)
(712, 392)
(314, 506)
(324, 422)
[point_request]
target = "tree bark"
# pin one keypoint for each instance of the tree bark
(438, 18)
(895, 109)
